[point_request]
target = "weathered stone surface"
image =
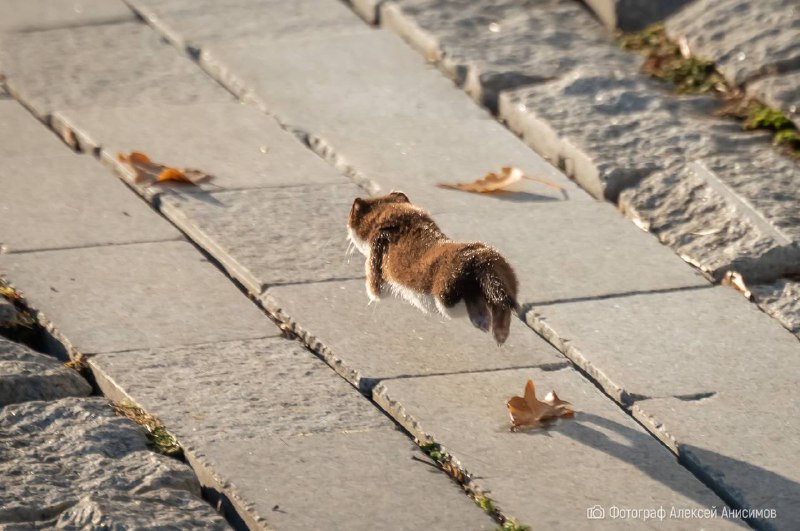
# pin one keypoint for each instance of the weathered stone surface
(366, 9)
(22, 135)
(28, 375)
(197, 23)
(599, 457)
(389, 78)
(70, 200)
(569, 252)
(359, 480)
(745, 39)
(237, 390)
(679, 343)
(74, 462)
(781, 92)
(42, 15)
(270, 426)
(693, 218)
(236, 144)
(502, 45)
(138, 296)
(780, 299)
(610, 129)
(414, 155)
(738, 442)
(124, 64)
(272, 236)
(390, 339)
(633, 15)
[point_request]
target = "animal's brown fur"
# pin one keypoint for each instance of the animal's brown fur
(405, 247)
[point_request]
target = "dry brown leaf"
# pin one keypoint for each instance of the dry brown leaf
(736, 281)
(508, 179)
(145, 171)
(529, 412)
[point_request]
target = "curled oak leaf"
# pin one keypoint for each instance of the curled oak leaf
(735, 280)
(174, 175)
(145, 171)
(508, 179)
(529, 412)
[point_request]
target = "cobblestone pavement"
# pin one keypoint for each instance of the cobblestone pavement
(230, 311)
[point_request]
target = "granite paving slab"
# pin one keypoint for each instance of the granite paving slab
(496, 46)
(24, 136)
(745, 39)
(682, 343)
(58, 199)
(299, 83)
(42, 15)
(198, 23)
(236, 144)
(74, 463)
(126, 64)
(781, 299)
(27, 375)
(272, 235)
(390, 339)
(633, 15)
(269, 425)
(781, 92)
(552, 477)
(739, 442)
(413, 155)
(572, 252)
(137, 296)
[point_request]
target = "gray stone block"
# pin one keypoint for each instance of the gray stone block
(138, 296)
(675, 343)
(125, 64)
(236, 144)
(272, 236)
(270, 427)
(41, 15)
(413, 155)
(354, 480)
(389, 78)
(569, 252)
(237, 391)
(391, 339)
(28, 375)
(23, 136)
(745, 39)
(780, 299)
(70, 200)
(496, 46)
(610, 129)
(199, 23)
(740, 443)
(781, 92)
(633, 15)
(74, 462)
(599, 457)
(8, 314)
(701, 224)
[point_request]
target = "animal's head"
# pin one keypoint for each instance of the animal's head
(368, 213)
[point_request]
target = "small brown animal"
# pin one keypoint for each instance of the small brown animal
(408, 255)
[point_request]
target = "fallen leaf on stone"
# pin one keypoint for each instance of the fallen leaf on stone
(529, 412)
(508, 179)
(736, 281)
(145, 171)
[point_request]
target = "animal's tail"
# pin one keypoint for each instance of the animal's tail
(498, 284)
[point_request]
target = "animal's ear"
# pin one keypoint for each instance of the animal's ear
(359, 205)
(399, 197)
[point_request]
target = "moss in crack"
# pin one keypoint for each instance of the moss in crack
(449, 465)
(756, 115)
(158, 438)
(666, 61)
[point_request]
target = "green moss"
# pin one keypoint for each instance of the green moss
(512, 525)
(158, 438)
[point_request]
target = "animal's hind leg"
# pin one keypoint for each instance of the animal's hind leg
(479, 313)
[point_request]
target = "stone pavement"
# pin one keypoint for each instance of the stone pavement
(644, 346)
